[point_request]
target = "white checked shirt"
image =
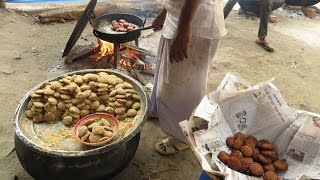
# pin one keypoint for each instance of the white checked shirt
(208, 22)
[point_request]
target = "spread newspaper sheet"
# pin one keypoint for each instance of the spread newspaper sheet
(260, 111)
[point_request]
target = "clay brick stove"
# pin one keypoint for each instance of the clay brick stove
(127, 57)
(119, 50)
(121, 55)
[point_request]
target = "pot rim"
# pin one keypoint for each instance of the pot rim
(49, 152)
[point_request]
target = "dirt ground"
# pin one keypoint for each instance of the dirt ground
(29, 50)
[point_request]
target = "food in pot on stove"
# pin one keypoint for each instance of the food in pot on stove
(122, 26)
(257, 158)
(73, 97)
(129, 28)
(95, 129)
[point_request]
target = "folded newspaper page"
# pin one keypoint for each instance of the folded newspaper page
(260, 111)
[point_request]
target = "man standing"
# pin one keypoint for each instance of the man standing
(192, 30)
(265, 11)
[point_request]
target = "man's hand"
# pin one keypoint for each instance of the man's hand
(159, 20)
(180, 44)
(179, 48)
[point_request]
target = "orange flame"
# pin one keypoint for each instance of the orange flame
(125, 64)
(106, 49)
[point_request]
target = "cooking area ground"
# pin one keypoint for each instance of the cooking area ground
(30, 53)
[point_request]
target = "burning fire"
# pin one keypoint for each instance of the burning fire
(106, 49)
(125, 64)
(129, 58)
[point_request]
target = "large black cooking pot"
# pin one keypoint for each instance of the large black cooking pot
(254, 5)
(102, 27)
(102, 165)
(102, 162)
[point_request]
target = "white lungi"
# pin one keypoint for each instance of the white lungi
(179, 87)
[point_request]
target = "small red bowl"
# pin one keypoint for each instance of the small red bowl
(105, 140)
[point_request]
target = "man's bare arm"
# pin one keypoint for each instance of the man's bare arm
(187, 14)
(180, 44)
(159, 20)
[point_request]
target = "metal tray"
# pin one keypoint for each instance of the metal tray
(57, 139)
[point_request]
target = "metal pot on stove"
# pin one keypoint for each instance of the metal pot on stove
(102, 27)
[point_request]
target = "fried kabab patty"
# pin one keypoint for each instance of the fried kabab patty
(265, 145)
(247, 151)
(230, 142)
(234, 163)
(270, 175)
(256, 169)
(269, 167)
(237, 154)
(237, 144)
(245, 163)
(264, 160)
(270, 154)
(280, 165)
(240, 135)
(223, 156)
